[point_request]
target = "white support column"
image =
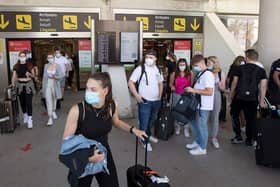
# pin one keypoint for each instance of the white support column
(269, 30)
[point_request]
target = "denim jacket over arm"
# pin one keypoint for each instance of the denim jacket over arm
(79, 142)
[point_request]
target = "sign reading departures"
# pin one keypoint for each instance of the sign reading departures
(46, 21)
(166, 23)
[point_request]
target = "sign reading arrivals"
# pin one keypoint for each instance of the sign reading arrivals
(46, 21)
(166, 23)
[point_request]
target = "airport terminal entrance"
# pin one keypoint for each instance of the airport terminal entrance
(41, 47)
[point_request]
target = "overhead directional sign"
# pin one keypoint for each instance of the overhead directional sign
(145, 21)
(179, 24)
(87, 23)
(166, 23)
(70, 22)
(23, 22)
(195, 25)
(46, 21)
(3, 23)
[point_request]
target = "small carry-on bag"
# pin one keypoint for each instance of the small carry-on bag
(267, 150)
(142, 176)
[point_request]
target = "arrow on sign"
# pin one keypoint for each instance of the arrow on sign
(195, 26)
(3, 23)
(88, 22)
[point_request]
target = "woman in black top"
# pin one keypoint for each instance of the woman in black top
(101, 113)
(23, 72)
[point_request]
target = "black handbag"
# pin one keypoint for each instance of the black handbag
(187, 106)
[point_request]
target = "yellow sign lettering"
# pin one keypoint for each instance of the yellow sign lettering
(23, 22)
(179, 24)
(3, 23)
(145, 21)
(70, 22)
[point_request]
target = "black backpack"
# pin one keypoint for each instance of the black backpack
(247, 87)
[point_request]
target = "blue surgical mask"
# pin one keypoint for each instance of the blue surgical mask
(92, 97)
(197, 69)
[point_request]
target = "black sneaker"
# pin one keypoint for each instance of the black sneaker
(237, 140)
(248, 142)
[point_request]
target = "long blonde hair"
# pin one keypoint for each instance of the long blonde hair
(216, 63)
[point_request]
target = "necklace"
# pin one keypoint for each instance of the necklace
(97, 113)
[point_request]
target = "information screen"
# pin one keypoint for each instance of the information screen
(106, 48)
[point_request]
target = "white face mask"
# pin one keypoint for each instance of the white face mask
(167, 58)
(149, 61)
(182, 68)
(28, 55)
(58, 55)
(210, 67)
(22, 59)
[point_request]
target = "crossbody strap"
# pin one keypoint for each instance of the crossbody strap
(199, 75)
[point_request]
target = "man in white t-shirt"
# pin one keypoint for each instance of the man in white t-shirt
(64, 65)
(148, 95)
(204, 86)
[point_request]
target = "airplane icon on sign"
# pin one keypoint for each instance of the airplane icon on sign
(179, 23)
(69, 21)
(22, 20)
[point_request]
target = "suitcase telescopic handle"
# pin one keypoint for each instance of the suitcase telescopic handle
(136, 152)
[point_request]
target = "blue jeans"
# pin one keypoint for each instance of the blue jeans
(200, 128)
(147, 114)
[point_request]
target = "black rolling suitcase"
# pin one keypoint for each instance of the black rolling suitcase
(164, 125)
(267, 152)
(142, 176)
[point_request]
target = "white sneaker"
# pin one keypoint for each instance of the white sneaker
(25, 118)
(149, 147)
(215, 143)
(50, 122)
(153, 139)
(192, 145)
(54, 115)
(30, 122)
(198, 151)
(177, 128)
(187, 131)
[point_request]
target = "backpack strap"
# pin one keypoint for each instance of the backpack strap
(142, 73)
(220, 75)
(82, 112)
(113, 108)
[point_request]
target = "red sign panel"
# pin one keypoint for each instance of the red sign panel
(19, 45)
(182, 45)
(84, 45)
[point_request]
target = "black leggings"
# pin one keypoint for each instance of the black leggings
(26, 102)
(103, 179)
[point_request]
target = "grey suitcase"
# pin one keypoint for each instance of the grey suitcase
(13, 111)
